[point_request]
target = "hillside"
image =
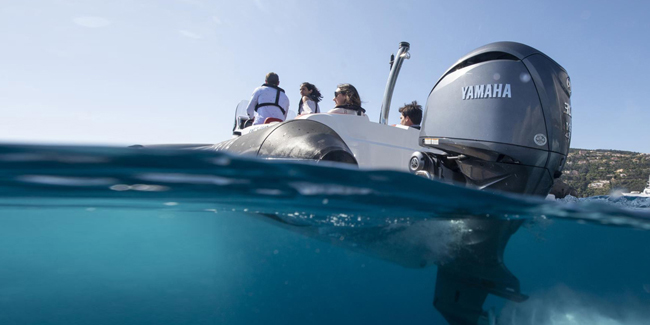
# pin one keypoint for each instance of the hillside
(598, 172)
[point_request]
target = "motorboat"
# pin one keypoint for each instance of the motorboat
(644, 193)
(498, 119)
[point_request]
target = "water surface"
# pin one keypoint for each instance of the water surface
(93, 235)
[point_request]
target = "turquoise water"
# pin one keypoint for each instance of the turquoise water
(92, 235)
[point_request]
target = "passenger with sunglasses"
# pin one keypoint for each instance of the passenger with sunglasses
(347, 101)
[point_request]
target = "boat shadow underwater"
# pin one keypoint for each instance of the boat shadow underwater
(467, 251)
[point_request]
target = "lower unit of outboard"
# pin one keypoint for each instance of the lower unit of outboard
(502, 115)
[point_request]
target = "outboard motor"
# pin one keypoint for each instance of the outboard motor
(502, 115)
(502, 118)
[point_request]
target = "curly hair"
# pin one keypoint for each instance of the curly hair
(315, 93)
(412, 111)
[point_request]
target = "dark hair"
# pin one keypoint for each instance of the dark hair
(272, 79)
(315, 93)
(351, 94)
(412, 111)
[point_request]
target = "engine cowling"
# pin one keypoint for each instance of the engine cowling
(502, 113)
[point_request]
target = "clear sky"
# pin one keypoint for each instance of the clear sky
(172, 71)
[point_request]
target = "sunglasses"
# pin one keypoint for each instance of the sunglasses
(336, 93)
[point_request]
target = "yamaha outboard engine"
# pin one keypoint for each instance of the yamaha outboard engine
(502, 115)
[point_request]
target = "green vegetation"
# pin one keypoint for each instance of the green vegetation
(598, 172)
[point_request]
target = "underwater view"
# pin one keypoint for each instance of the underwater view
(387, 162)
(101, 235)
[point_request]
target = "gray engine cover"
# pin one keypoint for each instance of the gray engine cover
(504, 102)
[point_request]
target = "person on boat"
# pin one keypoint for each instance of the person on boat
(309, 98)
(268, 101)
(347, 101)
(411, 115)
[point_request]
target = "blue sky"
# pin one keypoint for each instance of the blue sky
(172, 71)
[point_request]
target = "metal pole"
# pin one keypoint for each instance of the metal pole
(402, 53)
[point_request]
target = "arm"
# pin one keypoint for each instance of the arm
(312, 106)
(252, 103)
(308, 105)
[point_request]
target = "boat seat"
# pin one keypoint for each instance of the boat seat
(271, 120)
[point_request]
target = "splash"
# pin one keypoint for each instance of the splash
(563, 306)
